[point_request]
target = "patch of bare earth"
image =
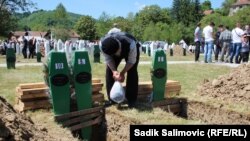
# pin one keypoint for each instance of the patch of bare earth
(118, 126)
(15, 126)
(215, 115)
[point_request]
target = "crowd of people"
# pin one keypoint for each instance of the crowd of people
(229, 46)
(28, 47)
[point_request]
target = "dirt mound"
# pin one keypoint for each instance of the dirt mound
(118, 126)
(234, 86)
(178, 51)
(15, 126)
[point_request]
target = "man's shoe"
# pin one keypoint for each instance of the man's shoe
(108, 103)
(131, 105)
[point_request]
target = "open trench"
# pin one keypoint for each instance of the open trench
(118, 125)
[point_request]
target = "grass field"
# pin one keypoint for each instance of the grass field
(189, 75)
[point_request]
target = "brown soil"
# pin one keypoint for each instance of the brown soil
(234, 86)
(15, 126)
(215, 115)
(178, 51)
(231, 88)
(118, 126)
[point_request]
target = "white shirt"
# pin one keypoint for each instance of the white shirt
(198, 34)
(236, 35)
(208, 33)
(114, 30)
(183, 44)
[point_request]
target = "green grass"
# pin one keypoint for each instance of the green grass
(190, 77)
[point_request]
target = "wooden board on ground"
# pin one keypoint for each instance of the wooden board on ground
(32, 85)
(173, 105)
(35, 95)
(173, 89)
(23, 106)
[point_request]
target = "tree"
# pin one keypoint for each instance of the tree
(62, 33)
(124, 24)
(15, 5)
(85, 27)
(60, 24)
(8, 22)
(242, 16)
(153, 14)
(7, 11)
(186, 11)
(226, 5)
(206, 5)
(103, 24)
(61, 17)
(197, 11)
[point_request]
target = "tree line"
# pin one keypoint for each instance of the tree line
(150, 23)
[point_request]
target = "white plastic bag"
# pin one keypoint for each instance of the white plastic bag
(117, 93)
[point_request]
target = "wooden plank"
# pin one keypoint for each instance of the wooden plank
(86, 124)
(96, 80)
(78, 113)
(96, 89)
(144, 92)
(33, 91)
(80, 119)
(31, 96)
(23, 106)
(97, 85)
(98, 97)
(32, 85)
(34, 103)
(42, 84)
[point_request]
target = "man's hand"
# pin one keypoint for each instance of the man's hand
(116, 75)
(121, 77)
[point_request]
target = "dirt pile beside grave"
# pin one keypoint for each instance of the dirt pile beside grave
(118, 126)
(178, 51)
(15, 126)
(234, 86)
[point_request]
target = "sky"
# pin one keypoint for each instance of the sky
(116, 8)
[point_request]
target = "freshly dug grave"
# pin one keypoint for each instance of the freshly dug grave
(234, 87)
(215, 115)
(15, 126)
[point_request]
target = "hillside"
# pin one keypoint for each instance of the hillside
(40, 20)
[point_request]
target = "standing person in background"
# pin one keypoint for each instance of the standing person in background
(237, 33)
(247, 30)
(32, 47)
(244, 52)
(209, 42)
(226, 39)
(184, 46)
(197, 40)
(25, 47)
(115, 47)
(114, 29)
(217, 42)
